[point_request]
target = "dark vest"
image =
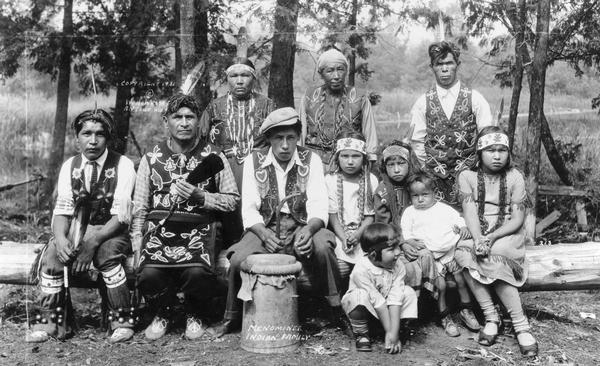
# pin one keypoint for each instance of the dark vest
(100, 199)
(297, 180)
(450, 143)
(188, 238)
(325, 119)
(167, 167)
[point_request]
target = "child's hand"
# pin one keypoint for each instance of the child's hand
(418, 244)
(351, 242)
(463, 232)
(392, 343)
(410, 253)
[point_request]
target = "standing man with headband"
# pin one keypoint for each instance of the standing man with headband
(231, 122)
(334, 107)
(445, 121)
(271, 174)
(94, 198)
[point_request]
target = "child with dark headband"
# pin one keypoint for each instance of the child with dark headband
(377, 289)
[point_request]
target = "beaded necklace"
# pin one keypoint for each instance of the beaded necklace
(362, 183)
(328, 140)
(240, 128)
(481, 202)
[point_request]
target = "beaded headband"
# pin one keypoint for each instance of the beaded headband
(240, 67)
(496, 138)
(395, 150)
(349, 143)
(382, 245)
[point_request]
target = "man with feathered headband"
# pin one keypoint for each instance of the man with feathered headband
(446, 120)
(174, 226)
(89, 225)
(231, 122)
(334, 107)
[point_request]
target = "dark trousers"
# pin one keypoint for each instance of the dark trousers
(109, 257)
(320, 270)
(199, 284)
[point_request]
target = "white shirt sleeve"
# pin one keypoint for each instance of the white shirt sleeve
(125, 184)
(64, 200)
(317, 204)
(482, 111)
(331, 182)
(406, 223)
(419, 123)
(250, 196)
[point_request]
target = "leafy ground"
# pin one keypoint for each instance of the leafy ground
(564, 336)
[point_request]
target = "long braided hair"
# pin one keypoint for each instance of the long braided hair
(365, 189)
(503, 203)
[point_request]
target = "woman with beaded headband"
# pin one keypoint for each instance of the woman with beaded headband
(231, 122)
(350, 188)
(493, 199)
(398, 162)
(333, 107)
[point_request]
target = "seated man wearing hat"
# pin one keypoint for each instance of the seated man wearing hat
(270, 175)
(334, 107)
(89, 225)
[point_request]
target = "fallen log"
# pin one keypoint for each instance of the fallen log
(551, 267)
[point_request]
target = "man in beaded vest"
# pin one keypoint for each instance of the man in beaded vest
(231, 122)
(334, 107)
(270, 175)
(94, 198)
(179, 254)
(445, 122)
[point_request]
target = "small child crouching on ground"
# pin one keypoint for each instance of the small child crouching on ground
(439, 227)
(377, 288)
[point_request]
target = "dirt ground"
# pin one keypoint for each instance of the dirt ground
(566, 334)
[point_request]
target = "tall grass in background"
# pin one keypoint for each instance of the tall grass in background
(26, 130)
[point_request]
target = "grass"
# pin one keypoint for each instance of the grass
(27, 123)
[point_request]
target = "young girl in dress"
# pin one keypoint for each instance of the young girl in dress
(350, 186)
(493, 200)
(392, 196)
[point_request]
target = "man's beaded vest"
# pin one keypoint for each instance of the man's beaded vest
(235, 124)
(328, 115)
(100, 198)
(450, 143)
(187, 239)
(297, 179)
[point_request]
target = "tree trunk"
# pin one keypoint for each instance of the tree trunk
(551, 267)
(186, 37)
(281, 78)
(352, 55)
(519, 29)
(177, 45)
(62, 103)
(121, 116)
(202, 89)
(536, 110)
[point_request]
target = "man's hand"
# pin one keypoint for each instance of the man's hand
(392, 343)
(271, 242)
(83, 260)
(303, 246)
(185, 190)
(463, 232)
(64, 249)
